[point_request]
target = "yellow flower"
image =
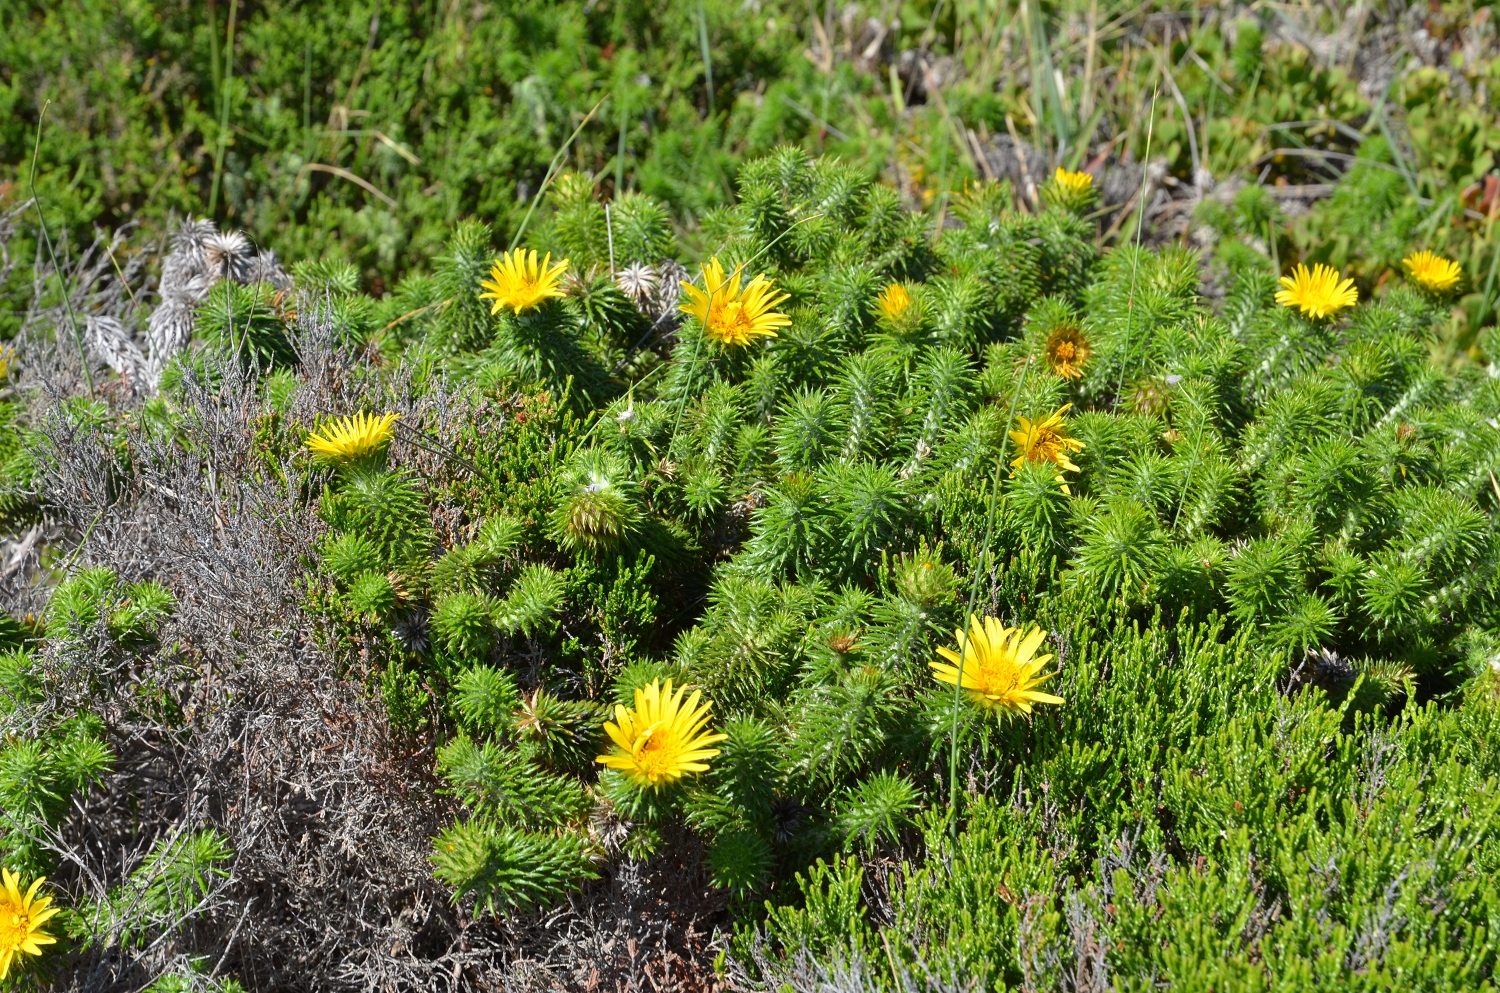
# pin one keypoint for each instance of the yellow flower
(732, 315)
(21, 920)
(1046, 440)
(1074, 184)
(1066, 352)
(1318, 293)
(894, 301)
(347, 439)
(660, 740)
(998, 670)
(1432, 271)
(1069, 190)
(518, 282)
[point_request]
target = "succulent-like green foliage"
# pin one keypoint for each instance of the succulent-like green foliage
(349, 555)
(486, 698)
(41, 776)
(739, 860)
(372, 595)
(463, 625)
(508, 870)
(597, 511)
(876, 810)
(1278, 533)
(240, 322)
(132, 612)
(385, 508)
(492, 782)
(533, 600)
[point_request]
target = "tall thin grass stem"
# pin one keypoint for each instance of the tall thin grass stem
(224, 96)
(979, 571)
(1135, 260)
(62, 282)
(552, 173)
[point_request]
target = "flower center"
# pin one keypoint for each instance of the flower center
(1065, 351)
(656, 751)
(1044, 444)
(997, 677)
(731, 319)
(14, 929)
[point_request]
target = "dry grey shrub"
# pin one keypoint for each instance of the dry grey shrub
(201, 256)
(109, 289)
(244, 718)
(849, 971)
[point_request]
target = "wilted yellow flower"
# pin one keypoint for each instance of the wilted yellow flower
(731, 314)
(1066, 352)
(997, 667)
(1432, 271)
(660, 740)
(894, 301)
(1046, 440)
(348, 439)
(21, 920)
(1318, 293)
(519, 282)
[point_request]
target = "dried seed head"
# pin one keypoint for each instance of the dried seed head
(637, 281)
(227, 256)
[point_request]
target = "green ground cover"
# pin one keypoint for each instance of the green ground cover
(291, 709)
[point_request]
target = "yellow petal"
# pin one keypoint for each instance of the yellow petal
(1028, 644)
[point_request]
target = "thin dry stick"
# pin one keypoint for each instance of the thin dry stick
(1020, 150)
(343, 174)
(1086, 102)
(609, 228)
(123, 282)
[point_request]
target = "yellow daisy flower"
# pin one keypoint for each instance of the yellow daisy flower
(348, 439)
(996, 666)
(660, 740)
(894, 301)
(1318, 293)
(732, 314)
(21, 920)
(1432, 271)
(1075, 184)
(517, 281)
(1069, 190)
(1046, 440)
(1066, 351)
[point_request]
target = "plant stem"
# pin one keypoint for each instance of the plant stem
(708, 66)
(620, 151)
(62, 282)
(551, 172)
(984, 549)
(228, 74)
(307, 132)
(1135, 260)
(1489, 283)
